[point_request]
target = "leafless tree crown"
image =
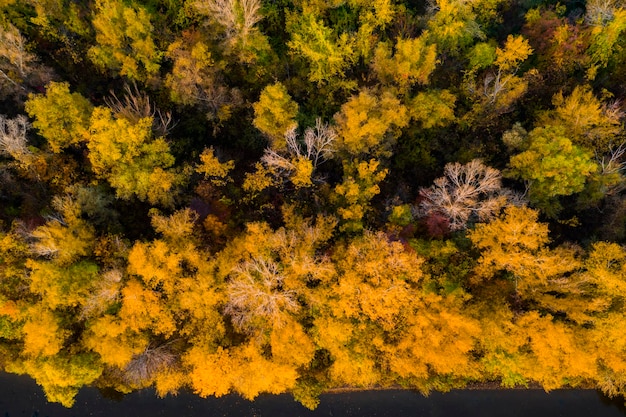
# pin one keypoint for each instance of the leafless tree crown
(136, 105)
(256, 291)
(465, 191)
(13, 139)
(238, 17)
(318, 145)
(144, 366)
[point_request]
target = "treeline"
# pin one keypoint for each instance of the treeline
(291, 196)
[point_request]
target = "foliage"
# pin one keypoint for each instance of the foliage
(244, 196)
(553, 166)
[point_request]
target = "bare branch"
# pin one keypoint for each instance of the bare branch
(13, 138)
(465, 191)
(143, 367)
(136, 105)
(256, 292)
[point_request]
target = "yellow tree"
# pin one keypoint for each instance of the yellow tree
(60, 116)
(413, 61)
(275, 113)
(128, 156)
(589, 122)
(353, 195)
(369, 123)
(124, 40)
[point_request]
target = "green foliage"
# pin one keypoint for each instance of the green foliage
(552, 166)
(328, 55)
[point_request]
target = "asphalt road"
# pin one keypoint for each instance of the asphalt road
(20, 396)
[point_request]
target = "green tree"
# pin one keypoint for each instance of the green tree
(328, 55)
(552, 166)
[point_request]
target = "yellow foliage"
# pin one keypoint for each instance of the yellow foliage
(143, 309)
(65, 243)
(368, 123)
(559, 358)
(42, 333)
(303, 171)
(212, 372)
(413, 61)
(606, 267)
(214, 170)
(291, 345)
(516, 242)
(60, 116)
(130, 158)
(437, 340)
(588, 121)
(257, 181)
(274, 114)
(124, 41)
(516, 50)
(169, 381)
(375, 278)
(112, 339)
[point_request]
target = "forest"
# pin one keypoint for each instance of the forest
(269, 196)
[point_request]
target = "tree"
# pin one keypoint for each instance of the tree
(413, 61)
(517, 243)
(20, 70)
(552, 166)
(353, 195)
(61, 376)
(608, 23)
(256, 292)
(503, 87)
(452, 25)
(60, 116)
(196, 78)
(215, 171)
(589, 122)
(368, 123)
(327, 54)
(124, 40)
(14, 140)
(300, 162)
(130, 158)
(469, 191)
(275, 113)
(432, 108)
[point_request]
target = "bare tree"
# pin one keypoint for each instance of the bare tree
(106, 292)
(136, 105)
(317, 146)
(13, 138)
(18, 67)
(144, 366)
(600, 12)
(473, 190)
(238, 17)
(256, 291)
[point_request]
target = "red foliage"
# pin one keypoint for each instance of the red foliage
(437, 224)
